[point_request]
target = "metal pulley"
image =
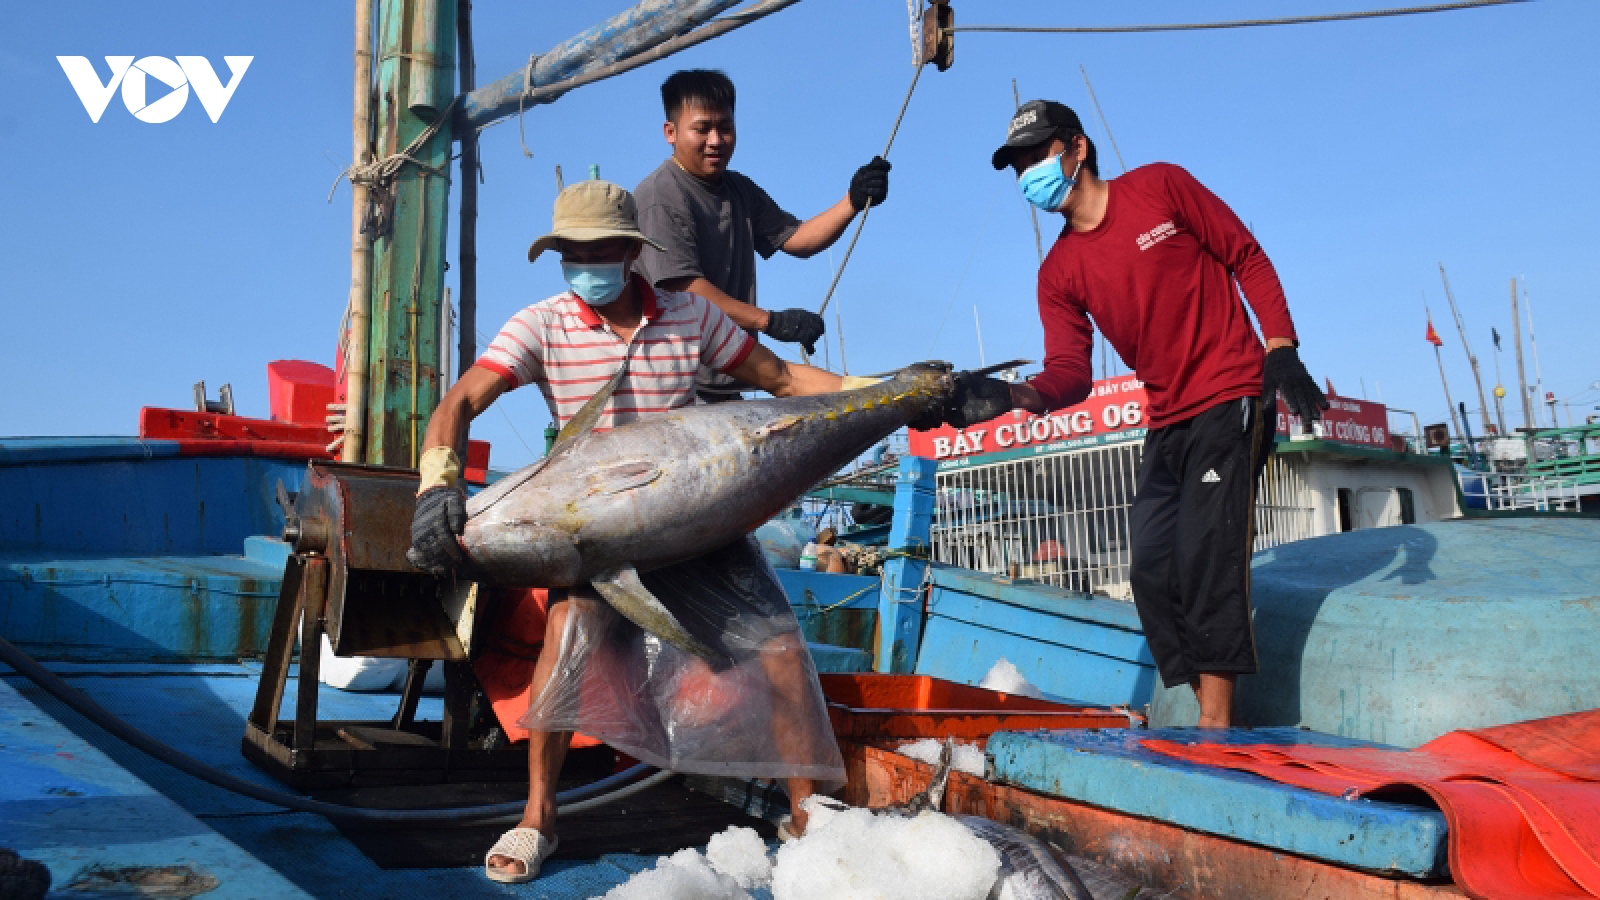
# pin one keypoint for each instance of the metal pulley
(938, 41)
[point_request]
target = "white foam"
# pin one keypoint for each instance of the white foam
(1008, 679)
(855, 855)
(966, 758)
(682, 876)
(740, 854)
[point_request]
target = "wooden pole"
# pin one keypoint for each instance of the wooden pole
(416, 71)
(1477, 376)
(1443, 380)
(1522, 373)
(355, 357)
(467, 302)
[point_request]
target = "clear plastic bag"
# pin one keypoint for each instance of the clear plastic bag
(759, 714)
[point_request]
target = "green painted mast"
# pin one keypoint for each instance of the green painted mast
(415, 87)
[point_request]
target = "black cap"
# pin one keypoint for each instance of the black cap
(1035, 122)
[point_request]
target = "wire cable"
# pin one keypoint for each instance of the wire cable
(1238, 23)
(862, 222)
(592, 795)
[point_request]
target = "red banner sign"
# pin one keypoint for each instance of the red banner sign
(1117, 405)
(1346, 421)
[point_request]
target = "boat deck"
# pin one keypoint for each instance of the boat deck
(74, 798)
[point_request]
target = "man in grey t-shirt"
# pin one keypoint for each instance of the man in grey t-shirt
(712, 221)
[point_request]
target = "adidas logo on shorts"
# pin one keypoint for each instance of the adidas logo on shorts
(1210, 477)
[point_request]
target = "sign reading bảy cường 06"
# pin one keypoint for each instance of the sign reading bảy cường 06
(1114, 412)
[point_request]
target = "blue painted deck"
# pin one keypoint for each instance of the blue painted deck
(1108, 769)
(68, 805)
(125, 816)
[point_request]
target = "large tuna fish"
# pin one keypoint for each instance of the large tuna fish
(603, 506)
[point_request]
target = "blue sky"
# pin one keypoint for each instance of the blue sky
(141, 258)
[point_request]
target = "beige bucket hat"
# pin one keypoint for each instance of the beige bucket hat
(592, 211)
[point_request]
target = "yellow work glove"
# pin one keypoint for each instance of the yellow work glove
(439, 467)
(855, 382)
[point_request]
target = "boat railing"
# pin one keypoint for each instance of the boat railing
(1522, 491)
(1062, 519)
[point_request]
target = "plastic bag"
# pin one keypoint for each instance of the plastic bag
(759, 714)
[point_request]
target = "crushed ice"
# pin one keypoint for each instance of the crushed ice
(685, 875)
(848, 854)
(1008, 679)
(966, 758)
(740, 854)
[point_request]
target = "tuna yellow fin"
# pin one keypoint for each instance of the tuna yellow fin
(585, 420)
(627, 595)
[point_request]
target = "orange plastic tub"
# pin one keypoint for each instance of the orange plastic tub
(866, 706)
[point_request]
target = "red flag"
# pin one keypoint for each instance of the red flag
(1433, 336)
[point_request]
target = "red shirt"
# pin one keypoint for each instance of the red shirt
(1157, 275)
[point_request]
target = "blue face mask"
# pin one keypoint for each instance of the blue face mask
(596, 283)
(1045, 185)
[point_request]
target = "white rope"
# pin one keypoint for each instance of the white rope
(914, 15)
(527, 88)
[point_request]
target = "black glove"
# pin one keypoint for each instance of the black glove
(795, 326)
(1285, 373)
(870, 184)
(440, 518)
(977, 398)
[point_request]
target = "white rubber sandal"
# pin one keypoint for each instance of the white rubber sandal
(786, 831)
(525, 845)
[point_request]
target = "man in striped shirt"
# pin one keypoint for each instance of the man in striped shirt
(570, 345)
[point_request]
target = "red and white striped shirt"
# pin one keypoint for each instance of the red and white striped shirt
(569, 351)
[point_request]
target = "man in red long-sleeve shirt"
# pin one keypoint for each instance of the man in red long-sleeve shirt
(1151, 258)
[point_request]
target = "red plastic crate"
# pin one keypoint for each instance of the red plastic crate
(866, 706)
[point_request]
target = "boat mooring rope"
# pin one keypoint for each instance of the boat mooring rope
(590, 796)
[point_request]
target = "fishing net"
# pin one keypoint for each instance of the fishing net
(757, 712)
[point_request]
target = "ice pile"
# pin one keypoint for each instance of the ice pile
(855, 855)
(685, 875)
(1007, 679)
(846, 854)
(966, 758)
(740, 854)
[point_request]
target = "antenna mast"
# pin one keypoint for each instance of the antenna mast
(1477, 377)
(1442, 380)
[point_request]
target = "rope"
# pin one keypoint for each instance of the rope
(1238, 23)
(862, 222)
(914, 20)
(381, 172)
(527, 89)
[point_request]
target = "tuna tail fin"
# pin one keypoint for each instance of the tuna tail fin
(583, 423)
(627, 595)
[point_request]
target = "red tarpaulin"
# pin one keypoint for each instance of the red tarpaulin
(1522, 801)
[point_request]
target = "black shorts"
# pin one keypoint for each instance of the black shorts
(1191, 527)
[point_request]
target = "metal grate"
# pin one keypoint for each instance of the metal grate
(1063, 519)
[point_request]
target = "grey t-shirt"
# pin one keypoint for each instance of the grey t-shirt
(711, 231)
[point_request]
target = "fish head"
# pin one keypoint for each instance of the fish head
(523, 552)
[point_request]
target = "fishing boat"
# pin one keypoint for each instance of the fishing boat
(163, 735)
